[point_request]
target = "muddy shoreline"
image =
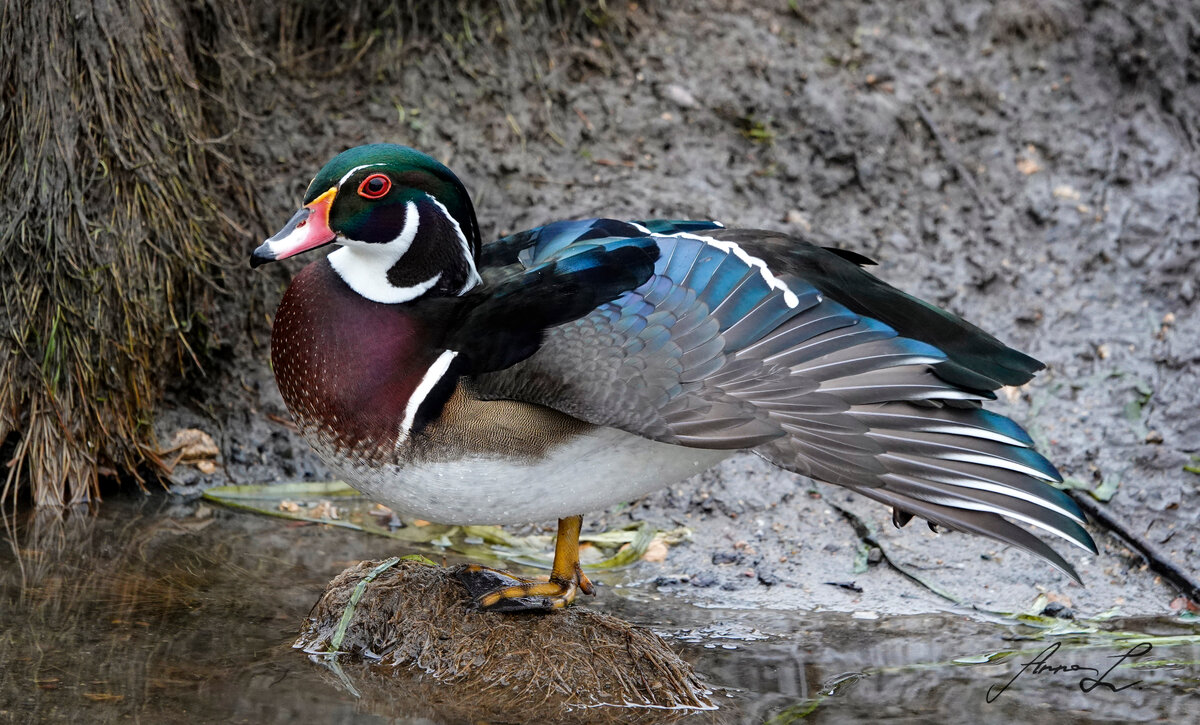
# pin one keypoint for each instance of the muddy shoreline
(1030, 166)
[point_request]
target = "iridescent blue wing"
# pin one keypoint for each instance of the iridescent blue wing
(749, 340)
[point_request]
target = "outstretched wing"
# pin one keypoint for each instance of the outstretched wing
(745, 339)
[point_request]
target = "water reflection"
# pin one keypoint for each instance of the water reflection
(157, 611)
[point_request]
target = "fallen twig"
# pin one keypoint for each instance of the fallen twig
(1157, 560)
(866, 536)
(951, 158)
(285, 422)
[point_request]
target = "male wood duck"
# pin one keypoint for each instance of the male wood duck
(571, 367)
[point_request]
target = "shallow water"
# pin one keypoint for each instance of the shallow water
(160, 611)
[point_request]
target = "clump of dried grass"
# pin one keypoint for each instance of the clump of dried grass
(373, 35)
(121, 128)
(415, 618)
(1042, 21)
(121, 201)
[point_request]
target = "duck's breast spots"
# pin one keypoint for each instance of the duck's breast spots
(346, 366)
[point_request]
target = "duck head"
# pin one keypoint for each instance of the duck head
(404, 222)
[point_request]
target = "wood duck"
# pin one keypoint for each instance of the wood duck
(571, 367)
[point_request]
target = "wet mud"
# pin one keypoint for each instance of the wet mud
(1030, 166)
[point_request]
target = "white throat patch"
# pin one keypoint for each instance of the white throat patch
(365, 266)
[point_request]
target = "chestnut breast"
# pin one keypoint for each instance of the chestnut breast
(346, 366)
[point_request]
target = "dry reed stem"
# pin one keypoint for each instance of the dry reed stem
(123, 129)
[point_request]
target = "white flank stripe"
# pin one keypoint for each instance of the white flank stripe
(435, 373)
(473, 277)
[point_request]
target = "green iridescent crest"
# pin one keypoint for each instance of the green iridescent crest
(412, 174)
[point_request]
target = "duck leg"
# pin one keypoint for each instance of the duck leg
(499, 591)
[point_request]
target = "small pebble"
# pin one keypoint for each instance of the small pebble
(679, 95)
(1060, 611)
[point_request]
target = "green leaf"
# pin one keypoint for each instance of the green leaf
(335, 644)
(1134, 408)
(860, 557)
(984, 658)
(625, 556)
(620, 547)
(280, 491)
(1103, 491)
(1107, 489)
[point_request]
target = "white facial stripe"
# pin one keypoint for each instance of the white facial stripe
(473, 277)
(789, 297)
(351, 173)
(434, 374)
(364, 266)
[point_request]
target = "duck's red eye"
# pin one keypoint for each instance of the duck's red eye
(374, 186)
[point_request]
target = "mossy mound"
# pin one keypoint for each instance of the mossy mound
(417, 632)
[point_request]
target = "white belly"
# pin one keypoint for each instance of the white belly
(593, 471)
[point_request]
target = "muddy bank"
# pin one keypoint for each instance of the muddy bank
(1030, 166)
